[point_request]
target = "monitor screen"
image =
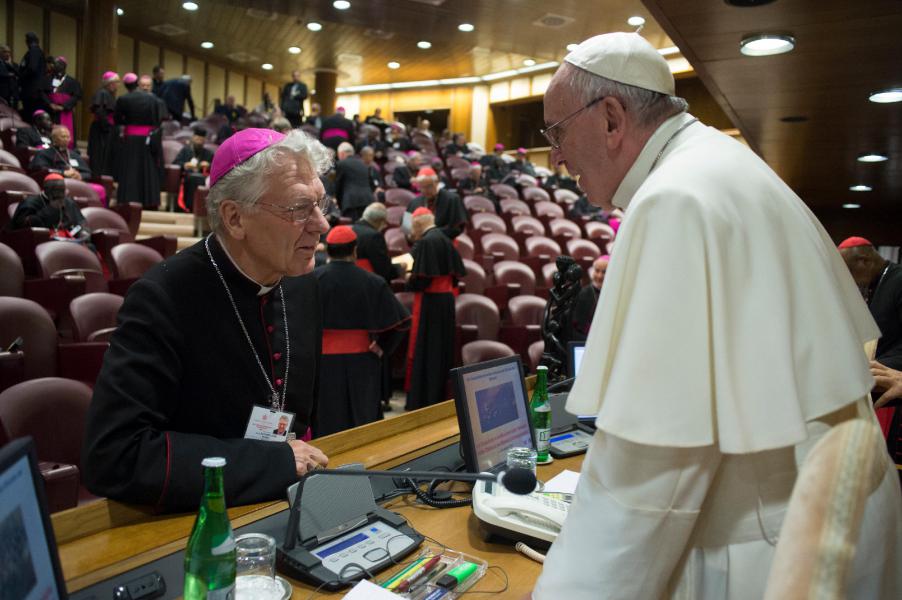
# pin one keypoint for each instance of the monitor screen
(29, 565)
(576, 356)
(492, 410)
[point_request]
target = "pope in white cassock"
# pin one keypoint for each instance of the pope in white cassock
(728, 339)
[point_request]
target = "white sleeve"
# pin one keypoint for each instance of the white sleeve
(633, 514)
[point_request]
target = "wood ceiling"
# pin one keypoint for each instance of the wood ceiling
(844, 52)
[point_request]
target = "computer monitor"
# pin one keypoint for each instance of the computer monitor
(492, 411)
(29, 563)
(575, 357)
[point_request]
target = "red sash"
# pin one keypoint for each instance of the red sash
(365, 264)
(346, 341)
(143, 130)
(443, 284)
(885, 418)
(335, 133)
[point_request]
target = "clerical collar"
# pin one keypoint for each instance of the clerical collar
(648, 158)
(263, 289)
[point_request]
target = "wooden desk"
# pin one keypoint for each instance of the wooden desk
(106, 538)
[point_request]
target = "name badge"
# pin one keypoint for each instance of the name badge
(73, 162)
(268, 424)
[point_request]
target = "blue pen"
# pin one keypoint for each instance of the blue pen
(438, 593)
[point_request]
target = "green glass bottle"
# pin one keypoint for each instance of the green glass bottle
(210, 555)
(540, 415)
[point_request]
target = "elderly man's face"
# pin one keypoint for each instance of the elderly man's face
(5, 54)
(428, 186)
(145, 84)
(60, 137)
(599, 268)
(278, 246)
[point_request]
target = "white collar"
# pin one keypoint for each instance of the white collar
(264, 289)
(640, 170)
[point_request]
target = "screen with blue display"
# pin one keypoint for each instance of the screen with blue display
(342, 545)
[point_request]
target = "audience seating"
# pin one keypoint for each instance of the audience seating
(488, 222)
(30, 321)
(172, 176)
(131, 214)
(526, 180)
(109, 229)
(94, 316)
(131, 261)
(543, 247)
(465, 246)
(527, 225)
(75, 263)
(12, 275)
(74, 187)
(535, 351)
(396, 241)
(548, 271)
(23, 242)
(456, 162)
(565, 196)
(398, 197)
(500, 245)
(482, 350)
(475, 279)
(535, 194)
(502, 190)
(395, 215)
(548, 210)
(513, 206)
(600, 233)
(478, 312)
(584, 251)
(478, 204)
(199, 208)
(512, 272)
(460, 173)
(525, 327)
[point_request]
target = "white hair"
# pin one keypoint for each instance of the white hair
(648, 108)
(248, 181)
(345, 148)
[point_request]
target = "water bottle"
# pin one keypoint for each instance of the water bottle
(210, 555)
(540, 415)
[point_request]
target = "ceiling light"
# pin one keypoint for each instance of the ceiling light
(872, 157)
(294, 50)
(766, 44)
(341, 4)
(499, 75)
(266, 67)
(314, 26)
(851, 205)
(466, 27)
(635, 21)
(887, 96)
(668, 50)
(860, 188)
(424, 45)
(539, 67)
(394, 65)
(572, 47)
(120, 12)
(529, 62)
(206, 45)
(190, 5)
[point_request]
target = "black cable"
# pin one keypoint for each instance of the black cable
(501, 591)
(429, 501)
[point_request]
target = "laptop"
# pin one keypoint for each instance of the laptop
(31, 567)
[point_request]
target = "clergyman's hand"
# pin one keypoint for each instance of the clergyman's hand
(307, 457)
(889, 380)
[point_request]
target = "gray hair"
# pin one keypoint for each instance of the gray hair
(375, 214)
(647, 107)
(248, 181)
(281, 124)
(346, 148)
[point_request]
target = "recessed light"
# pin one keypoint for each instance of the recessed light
(424, 45)
(635, 21)
(206, 45)
(120, 12)
(266, 67)
(887, 96)
(341, 4)
(190, 5)
(766, 44)
(860, 188)
(851, 205)
(572, 47)
(872, 157)
(529, 62)
(314, 26)
(668, 50)
(394, 65)
(466, 27)
(794, 119)
(294, 50)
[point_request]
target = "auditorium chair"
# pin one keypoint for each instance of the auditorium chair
(548, 271)
(12, 274)
(23, 242)
(391, 164)
(475, 278)
(488, 222)
(526, 180)
(535, 194)
(459, 174)
(130, 213)
(584, 252)
(514, 273)
(53, 411)
(94, 316)
(535, 351)
(74, 187)
(130, 261)
(547, 211)
(525, 327)
(456, 162)
(109, 229)
(398, 197)
(30, 321)
(513, 206)
(599, 233)
(478, 204)
(199, 208)
(395, 215)
(396, 241)
(478, 312)
(465, 246)
(11, 160)
(543, 248)
(528, 225)
(73, 262)
(172, 174)
(483, 350)
(565, 196)
(500, 245)
(564, 230)
(502, 190)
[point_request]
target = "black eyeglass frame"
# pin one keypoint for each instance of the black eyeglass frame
(553, 139)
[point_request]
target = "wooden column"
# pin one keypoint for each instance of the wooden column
(325, 90)
(99, 41)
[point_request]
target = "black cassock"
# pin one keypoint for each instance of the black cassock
(449, 211)
(180, 379)
(436, 268)
(139, 152)
(358, 308)
(192, 179)
(101, 133)
(372, 251)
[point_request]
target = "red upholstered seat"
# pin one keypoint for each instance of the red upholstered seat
(74, 187)
(500, 244)
(548, 271)
(502, 190)
(489, 221)
(542, 246)
(456, 162)
(563, 227)
(566, 196)
(599, 231)
(475, 278)
(514, 207)
(526, 180)
(465, 246)
(8, 158)
(398, 197)
(480, 312)
(483, 350)
(66, 259)
(12, 274)
(11, 180)
(395, 215)
(171, 149)
(477, 204)
(535, 194)
(459, 174)
(527, 310)
(528, 225)
(535, 351)
(104, 218)
(92, 313)
(396, 241)
(514, 272)
(549, 209)
(28, 319)
(131, 213)
(583, 249)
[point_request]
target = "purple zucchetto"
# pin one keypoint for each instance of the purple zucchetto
(240, 147)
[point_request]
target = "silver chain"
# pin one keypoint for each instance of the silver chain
(276, 403)
(667, 143)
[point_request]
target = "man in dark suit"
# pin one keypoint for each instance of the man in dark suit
(372, 251)
(292, 99)
(33, 80)
(9, 78)
(37, 136)
(353, 185)
(59, 158)
(175, 93)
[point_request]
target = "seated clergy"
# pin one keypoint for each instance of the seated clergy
(194, 159)
(217, 343)
(59, 158)
(52, 209)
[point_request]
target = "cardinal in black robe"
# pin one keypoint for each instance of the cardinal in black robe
(101, 133)
(450, 213)
(436, 269)
(138, 165)
(362, 322)
(372, 251)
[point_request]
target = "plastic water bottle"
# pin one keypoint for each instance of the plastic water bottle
(540, 415)
(210, 555)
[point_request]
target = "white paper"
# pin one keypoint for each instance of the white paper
(563, 483)
(367, 590)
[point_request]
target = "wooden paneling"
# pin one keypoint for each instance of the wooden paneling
(26, 17)
(254, 92)
(273, 91)
(148, 57)
(125, 49)
(236, 87)
(196, 71)
(4, 24)
(216, 87)
(64, 39)
(174, 63)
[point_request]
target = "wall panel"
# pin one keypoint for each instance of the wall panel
(196, 71)
(216, 86)
(125, 61)
(27, 17)
(148, 57)
(236, 87)
(64, 40)
(174, 64)
(3, 4)
(254, 93)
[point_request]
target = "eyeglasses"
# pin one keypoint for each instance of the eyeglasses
(555, 135)
(299, 213)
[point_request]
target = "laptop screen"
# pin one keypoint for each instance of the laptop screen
(29, 565)
(576, 356)
(492, 411)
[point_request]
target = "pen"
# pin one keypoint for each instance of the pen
(405, 585)
(394, 581)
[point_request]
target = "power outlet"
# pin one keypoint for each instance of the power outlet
(144, 588)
